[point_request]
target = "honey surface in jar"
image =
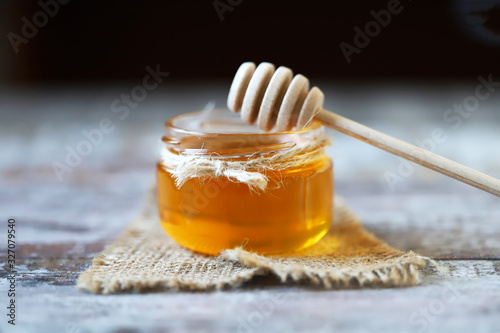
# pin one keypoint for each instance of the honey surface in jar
(214, 214)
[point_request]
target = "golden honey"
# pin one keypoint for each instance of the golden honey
(210, 214)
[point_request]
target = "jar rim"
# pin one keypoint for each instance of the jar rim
(314, 124)
(180, 138)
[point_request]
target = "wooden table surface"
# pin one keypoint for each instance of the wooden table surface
(61, 225)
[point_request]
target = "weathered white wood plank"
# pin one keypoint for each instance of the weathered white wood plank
(467, 300)
(63, 224)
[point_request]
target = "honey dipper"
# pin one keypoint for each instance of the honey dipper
(276, 101)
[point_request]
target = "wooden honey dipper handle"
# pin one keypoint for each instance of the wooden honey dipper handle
(410, 152)
(276, 101)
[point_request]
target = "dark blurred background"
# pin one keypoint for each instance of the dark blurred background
(107, 41)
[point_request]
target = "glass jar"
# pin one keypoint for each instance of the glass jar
(274, 195)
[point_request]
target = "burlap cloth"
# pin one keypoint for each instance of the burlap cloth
(145, 259)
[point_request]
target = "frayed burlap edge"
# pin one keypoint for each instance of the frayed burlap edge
(403, 271)
(144, 259)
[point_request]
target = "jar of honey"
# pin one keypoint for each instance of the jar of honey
(223, 183)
